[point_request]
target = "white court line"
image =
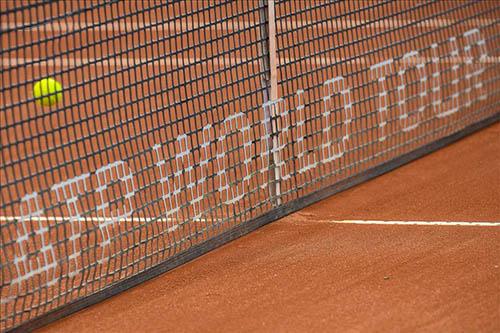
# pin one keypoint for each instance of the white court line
(100, 219)
(365, 222)
(439, 223)
(168, 221)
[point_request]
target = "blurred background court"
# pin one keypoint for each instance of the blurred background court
(185, 125)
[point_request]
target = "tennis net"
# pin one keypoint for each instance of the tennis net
(182, 125)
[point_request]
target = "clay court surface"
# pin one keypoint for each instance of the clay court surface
(307, 272)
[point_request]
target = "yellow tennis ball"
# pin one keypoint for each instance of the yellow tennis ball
(47, 91)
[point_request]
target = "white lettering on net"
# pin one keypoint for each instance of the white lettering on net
(235, 124)
(271, 112)
(223, 179)
(334, 86)
(407, 60)
(184, 166)
(45, 262)
(474, 71)
(247, 150)
(444, 108)
(282, 116)
(107, 175)
(265, 148)
(170, 207)
(69, 192)
(203, 165)
(306, 159)
(380, 72)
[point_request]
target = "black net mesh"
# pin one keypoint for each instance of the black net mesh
(152, 132)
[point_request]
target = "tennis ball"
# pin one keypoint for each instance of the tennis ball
(47, 92)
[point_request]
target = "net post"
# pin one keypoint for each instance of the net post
(272, 50)
(270, 82)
